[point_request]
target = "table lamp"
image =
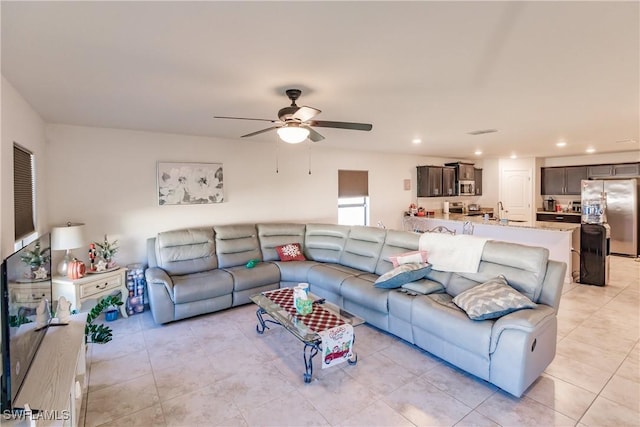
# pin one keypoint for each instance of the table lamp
(65, 238)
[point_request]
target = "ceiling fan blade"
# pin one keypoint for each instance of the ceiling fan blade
(244, 118)
(313, 135)
(305, 113)
(340, 125)
(260, 131)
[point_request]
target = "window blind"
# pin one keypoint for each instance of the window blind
(353, 183)
(23, 191)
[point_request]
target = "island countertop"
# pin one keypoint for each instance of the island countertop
(558, 238)
(478, 219)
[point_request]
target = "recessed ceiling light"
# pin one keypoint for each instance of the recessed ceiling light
(513, 156)
(591, 150)
(561, 144)
(478, 152)
(416, 141)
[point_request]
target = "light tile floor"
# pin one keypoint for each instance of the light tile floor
(216, 370)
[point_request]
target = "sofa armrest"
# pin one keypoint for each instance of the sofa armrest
(157, 276)
(527, 321)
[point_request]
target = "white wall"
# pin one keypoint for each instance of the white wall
(106, 178)
(20, 124)
(593, 159)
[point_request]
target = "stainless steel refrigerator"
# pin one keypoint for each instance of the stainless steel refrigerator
(621, 213)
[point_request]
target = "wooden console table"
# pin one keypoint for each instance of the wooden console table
(92, 286)
(57, 380)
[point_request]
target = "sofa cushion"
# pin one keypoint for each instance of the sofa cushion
(491, 300)
(362, 248)
(330, 276)
(236, 244)
(290, 252)
(186, 251)
(294, 271)
(523, 266)
(325, 242)
(201, 286)
(402, 274)
(278, 234)
(437, 314)
(264, 273)
(424, 287)
(360, 290)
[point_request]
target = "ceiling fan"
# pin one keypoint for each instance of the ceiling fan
(295, 123)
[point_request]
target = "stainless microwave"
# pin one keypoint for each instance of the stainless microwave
(466, 188)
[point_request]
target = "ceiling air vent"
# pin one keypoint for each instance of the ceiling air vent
(482, 131)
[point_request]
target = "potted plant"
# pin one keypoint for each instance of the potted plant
(100, 333)
(106, 250)
(35, 259)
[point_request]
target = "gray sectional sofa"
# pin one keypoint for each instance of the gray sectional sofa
(202, 270)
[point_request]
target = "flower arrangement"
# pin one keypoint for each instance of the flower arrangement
(106, 250)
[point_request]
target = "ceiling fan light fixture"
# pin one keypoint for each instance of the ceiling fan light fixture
(293, 134)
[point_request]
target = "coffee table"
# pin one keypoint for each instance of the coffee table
(278, 305)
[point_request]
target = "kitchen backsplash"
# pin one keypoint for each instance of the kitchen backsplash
(562, 200)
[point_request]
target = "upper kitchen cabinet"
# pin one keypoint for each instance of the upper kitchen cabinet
(430, 181)
(626, 170)
(621, 170)
(562, 180)
(465, 170)
(477, 173)
(448, 181)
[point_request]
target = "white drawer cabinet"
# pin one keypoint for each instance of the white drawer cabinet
(92, 286)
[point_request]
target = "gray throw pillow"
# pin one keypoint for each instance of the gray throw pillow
(402, 274)
(491, 300)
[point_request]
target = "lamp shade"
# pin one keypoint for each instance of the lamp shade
(292, 133)
(68, 236)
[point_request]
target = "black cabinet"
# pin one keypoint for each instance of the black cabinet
(553, 181)
(559, 217)
(626, 170)
(599, 171)
(464, 171)
(449, 181)
(477, 173)
(619, 170)
(562, 180)
(430, 181)
(574, 175)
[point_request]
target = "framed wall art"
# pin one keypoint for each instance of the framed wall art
(190, 183)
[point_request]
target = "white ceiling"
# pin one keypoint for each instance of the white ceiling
(538, 72)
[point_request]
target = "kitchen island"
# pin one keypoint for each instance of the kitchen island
(557, 237)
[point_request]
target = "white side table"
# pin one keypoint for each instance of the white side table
(92, 286)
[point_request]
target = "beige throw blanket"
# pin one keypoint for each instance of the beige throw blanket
(459, 253)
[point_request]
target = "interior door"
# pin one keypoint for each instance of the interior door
(515, 194)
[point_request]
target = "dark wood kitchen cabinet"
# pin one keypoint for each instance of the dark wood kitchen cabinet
(620, 170)
(449, 181)
(562, 180)
(465, 171)
(477, 173)
(430, 181)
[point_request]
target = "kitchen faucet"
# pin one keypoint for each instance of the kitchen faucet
(500, 209)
